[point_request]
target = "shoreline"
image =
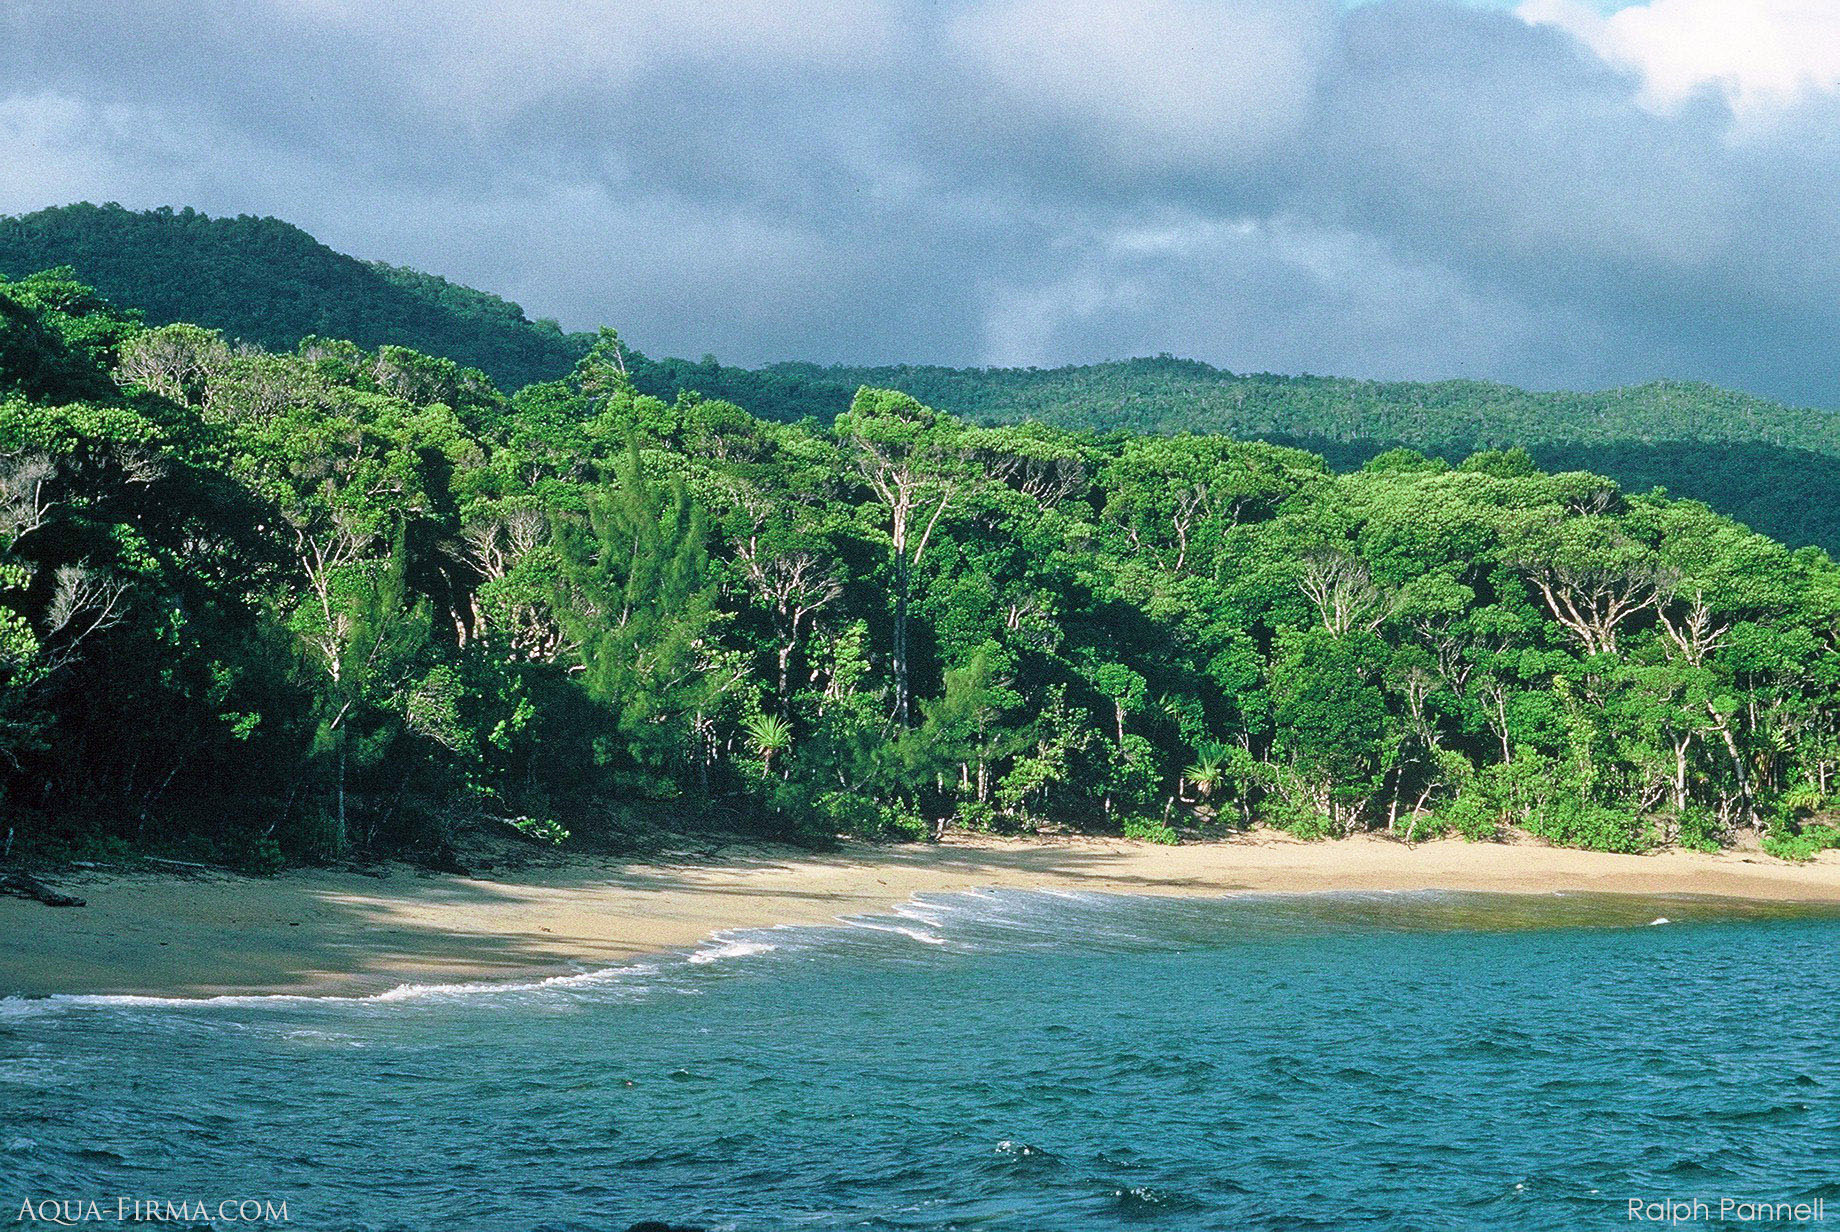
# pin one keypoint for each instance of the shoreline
(327, 932)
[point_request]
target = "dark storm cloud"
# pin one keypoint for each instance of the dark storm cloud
(1401, 189)
(1511, 153)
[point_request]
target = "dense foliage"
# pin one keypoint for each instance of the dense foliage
(1788, 494)
(1770, 465)
(263, 281)
(338, 598)
(1168, 395)
(266, 282)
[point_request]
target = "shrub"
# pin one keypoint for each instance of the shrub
(862, 816)
(1149, 830)
(1803, 846)
(902, 821)
(1134, 774)
(1297, 820)
(313, 833)
(976, 815)
(1423, 828)
(1798, 802)
(1568, 822)
(1697, 829)
(1474, 817)
(847, 812)
(252, 853)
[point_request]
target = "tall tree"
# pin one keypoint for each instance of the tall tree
(637, 605)
(908, 455)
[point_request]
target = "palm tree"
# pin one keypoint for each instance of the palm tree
(769, 734)
(1205, 775)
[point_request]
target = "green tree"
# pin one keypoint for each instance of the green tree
(638, 607)
(906, 454)
(1330, 721)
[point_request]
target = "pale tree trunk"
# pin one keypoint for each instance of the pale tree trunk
(902, 704)
(338, 837)
(1747, 810)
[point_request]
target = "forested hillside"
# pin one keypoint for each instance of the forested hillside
(1180, 395)
(266, 282)
(1774, 467)
(1792, 495)
(259, 279)
(286, 605)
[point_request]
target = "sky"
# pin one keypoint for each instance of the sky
(1555, 193)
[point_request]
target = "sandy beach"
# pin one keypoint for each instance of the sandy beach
(341, 932)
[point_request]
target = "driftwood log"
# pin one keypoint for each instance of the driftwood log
(26, 886)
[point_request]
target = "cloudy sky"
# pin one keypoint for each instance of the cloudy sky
(1551, 192)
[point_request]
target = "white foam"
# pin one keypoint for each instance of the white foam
(922, 919)
(402, 992)
(931, 920)
(719, 948)
(1660, 919)
(578, 979)
(914, 934)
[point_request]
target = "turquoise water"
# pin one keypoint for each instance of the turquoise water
(997, 1060)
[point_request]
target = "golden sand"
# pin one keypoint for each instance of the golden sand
(317, 931)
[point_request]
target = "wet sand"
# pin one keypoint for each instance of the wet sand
(321, 932)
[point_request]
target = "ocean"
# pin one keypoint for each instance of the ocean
(993, 1060)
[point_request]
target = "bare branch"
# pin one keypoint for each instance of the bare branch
(1343, 590)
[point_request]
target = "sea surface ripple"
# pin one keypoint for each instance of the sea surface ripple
(993, 1060)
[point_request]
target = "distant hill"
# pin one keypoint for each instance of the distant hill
(1774, 467)
(264, 280)
(268, 282)
(1164, 394)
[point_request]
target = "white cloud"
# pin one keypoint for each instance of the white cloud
(1171, 80)
(1408, 187)
(1761, 55)
(499, 57)
(1267, 295)
(48, 158)
(57, 147)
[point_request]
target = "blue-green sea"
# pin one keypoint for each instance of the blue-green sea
(994, 1060)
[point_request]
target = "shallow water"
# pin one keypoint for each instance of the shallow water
(994, 1060)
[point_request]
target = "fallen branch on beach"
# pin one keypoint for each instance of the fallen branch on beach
(206, 868)
(26, 886)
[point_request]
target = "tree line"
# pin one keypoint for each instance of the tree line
(263, 281)
(269, 605)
